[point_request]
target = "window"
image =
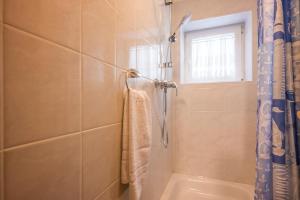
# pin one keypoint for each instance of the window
(214, 55)
(215, 52)
(145, 58)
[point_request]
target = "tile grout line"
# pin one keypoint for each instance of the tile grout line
(80, 52)
(114, 7)
(80, 71)
(56, 138)
(40, 141)
(81, 131)
(81, 103)
(107, 188)
(2, 195)
(100, 127)
(99, 60)
(66, 48)
(30, 34)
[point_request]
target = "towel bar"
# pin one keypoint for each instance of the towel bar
(162, 84)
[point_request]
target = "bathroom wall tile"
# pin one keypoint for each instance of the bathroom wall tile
(236, 142)
(112, 3)
(127, 11)
(208, 99)
(126, 44)
(102, 100)
(48, 170)
(159, 20)
(1, 87)
(1, 10)
(99, 30)
(219, 114)
(241, 97)
(116, 191)
(241, 171)
(1, 176)
(218, 129)
(42, 89)
(55, 20)
(205, 128)
(240, 136)
(213, 9)
(245, 122)
(146, 17)
(207, 123)
(156, 127)
(101, 157)
(158, 166)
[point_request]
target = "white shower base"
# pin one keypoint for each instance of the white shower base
(184, 187)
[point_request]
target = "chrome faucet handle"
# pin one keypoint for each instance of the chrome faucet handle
(172, 84)
(166, 84)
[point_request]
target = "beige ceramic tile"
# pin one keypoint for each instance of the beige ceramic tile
(1, 87)
(112, 3)
(234, 132)
(102, 100)
(116, 191)
(227, 119)
(241, 97)
(238, 145)
(208, 99)
(127, 11)
(102, 154)
(1, 177)
(42, 89)
(126, 45)
(1, 10)
(99, 30)
(159, 161)
(49, 170)
(231, 142)
(241, 171)
(146, 19)
(55, 20)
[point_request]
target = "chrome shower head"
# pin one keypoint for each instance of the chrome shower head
(183, 22)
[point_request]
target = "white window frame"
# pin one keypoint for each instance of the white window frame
(244, 18)
(237, 29)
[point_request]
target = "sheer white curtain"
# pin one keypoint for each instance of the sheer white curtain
(213, 55)
(146, 58)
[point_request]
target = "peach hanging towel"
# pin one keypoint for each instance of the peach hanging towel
(136, 144)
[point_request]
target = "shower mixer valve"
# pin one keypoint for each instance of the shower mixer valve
(165, 85)
(166, 65)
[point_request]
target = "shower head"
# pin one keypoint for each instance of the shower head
(183, 22)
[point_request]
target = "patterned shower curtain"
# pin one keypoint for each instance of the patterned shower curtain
(278, 114)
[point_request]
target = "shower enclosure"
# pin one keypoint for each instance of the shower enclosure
(214, 122)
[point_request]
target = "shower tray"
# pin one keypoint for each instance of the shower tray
(183, 187)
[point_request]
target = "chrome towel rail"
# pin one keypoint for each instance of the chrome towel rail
(162, 84)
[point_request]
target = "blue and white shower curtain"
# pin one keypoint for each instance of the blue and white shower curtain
(278, 114)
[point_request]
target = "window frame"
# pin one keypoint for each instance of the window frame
(237, 29)
(244, 18)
